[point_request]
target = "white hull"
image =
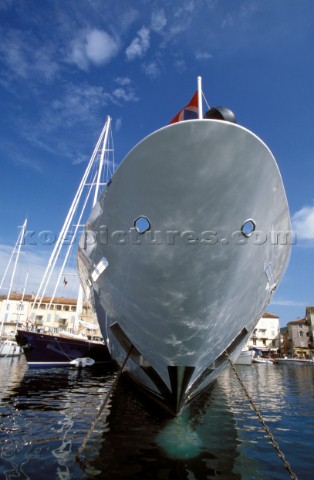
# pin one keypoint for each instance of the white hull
(193, 286)
(9, 348)
(245, 357)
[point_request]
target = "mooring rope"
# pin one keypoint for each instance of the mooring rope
(103, 405)
(259, 416)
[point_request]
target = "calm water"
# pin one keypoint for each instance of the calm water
(45, 415)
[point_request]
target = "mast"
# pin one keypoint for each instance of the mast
(80, 297)
(101, 160)
(91, 180)
(17, 249)
(200, 100)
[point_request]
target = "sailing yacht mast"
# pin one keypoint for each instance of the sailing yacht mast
(16, 250)
(80, 297)
(91, 180)
(200, 99)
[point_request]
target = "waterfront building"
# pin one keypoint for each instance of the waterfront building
(298, 337)
(284, 347)
(49, 316)
(309, 316)
(266, 335)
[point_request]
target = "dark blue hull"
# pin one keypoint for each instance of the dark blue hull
(44, 350)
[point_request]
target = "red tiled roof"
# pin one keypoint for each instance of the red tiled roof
(297, 322)
(270, 315)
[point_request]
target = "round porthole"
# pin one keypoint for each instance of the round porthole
(248, 227)
(142, 224)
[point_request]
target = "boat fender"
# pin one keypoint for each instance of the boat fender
(221, 113)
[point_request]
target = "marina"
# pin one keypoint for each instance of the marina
(218, 435)
(156, 179)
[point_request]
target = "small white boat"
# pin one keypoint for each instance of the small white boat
(10, 348)
(245, 358)
(262, 360)
(83, 362)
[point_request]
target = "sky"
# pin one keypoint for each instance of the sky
(65, 66)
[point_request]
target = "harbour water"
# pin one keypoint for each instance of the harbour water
(47, 413)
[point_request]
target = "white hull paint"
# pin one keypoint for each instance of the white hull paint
(193, 286)
(245, 357)
(10, 348)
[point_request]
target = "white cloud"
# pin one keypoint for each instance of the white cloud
(200, 55)
(151, 69)
(139, 45)
(28, 59)
(127, 95)
(158, 20)
(303, 223)
(123, 81)
(79, 103)
(180, 66)
(288, 303)
(94, 47)
(118, 124)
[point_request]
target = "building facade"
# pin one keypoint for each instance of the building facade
(266, 334)
(298, 338)
(309, 317)
(50, 315)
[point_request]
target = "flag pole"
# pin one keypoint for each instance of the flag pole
(199, 91)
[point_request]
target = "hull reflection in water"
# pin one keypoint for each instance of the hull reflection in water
(45, 418)
(140, 443)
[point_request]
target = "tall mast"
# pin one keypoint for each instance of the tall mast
(200, 99)
(91, 180)
(101, 160)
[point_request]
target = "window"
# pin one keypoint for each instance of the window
(301, 334)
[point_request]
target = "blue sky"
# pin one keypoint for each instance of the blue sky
(65, 66)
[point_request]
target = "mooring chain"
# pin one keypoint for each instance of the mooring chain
(259, 416)
(103, 405)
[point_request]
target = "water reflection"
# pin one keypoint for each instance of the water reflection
(200, 443)
(45, 415)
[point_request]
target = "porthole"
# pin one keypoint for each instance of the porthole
(248, 228)
(142, 224)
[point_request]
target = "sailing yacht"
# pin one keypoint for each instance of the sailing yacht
(191, 256)
(65, 348)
